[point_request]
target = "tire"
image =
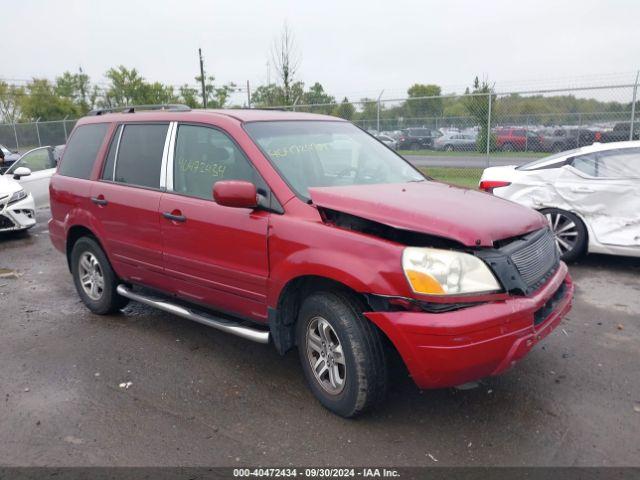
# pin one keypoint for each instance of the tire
(557, 147)
(87, 258)
(507, 147)
(449, 148)
(364, 366)
(569, 231)
(415, 147)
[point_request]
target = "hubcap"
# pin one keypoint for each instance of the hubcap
(91, 276)
(325, 355)
(565, 231)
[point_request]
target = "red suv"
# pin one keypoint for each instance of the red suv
(304, 231)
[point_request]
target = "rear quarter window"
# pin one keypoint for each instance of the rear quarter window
(82, 149)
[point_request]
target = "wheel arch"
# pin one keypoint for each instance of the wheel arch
(283, 318)
(75, 233)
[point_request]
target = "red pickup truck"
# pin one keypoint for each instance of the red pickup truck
(304, 231)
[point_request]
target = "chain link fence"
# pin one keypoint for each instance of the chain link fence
(453, 137)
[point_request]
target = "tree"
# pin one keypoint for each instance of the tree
(126, 87)
(286, 60)
(77, 88)
(345, 110)
(266, 96)
(42, 102)
(424, 107)
(10, 98)
(477, 105)
(317, 96)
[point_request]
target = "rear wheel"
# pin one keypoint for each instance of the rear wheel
(341, 353)
(449, 148)
(507, 147)
(95, 280)
(569, 232)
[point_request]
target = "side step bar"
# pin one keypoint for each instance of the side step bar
(260, 336)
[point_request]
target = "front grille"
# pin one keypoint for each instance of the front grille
(6, 222)
(537, 258)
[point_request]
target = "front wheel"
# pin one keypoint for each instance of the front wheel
(341, 353)
(95, 280)
(569, 232)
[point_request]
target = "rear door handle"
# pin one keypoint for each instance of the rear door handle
(174, 217)
(99, 200)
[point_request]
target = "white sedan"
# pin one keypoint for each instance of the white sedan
(590, 195)
(41, 163)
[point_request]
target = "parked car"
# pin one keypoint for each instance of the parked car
(590, 195)
(455, 141)
(388, 141)
(308, 233)
(17, 209)
(560, 139)
(41, 163)
(415, 139)
(10, 157)
(620, 132)
(516, 139)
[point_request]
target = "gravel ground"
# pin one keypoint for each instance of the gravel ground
(202, 397)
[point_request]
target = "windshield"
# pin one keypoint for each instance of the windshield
(324, 153)
(543, 161)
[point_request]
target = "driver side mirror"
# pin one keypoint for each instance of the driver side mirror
(235, 193)
(21, 172)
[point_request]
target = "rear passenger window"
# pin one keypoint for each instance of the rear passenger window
(139, 157)
(205, 155)
(81, 152)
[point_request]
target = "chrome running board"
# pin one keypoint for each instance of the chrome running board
(260, 336)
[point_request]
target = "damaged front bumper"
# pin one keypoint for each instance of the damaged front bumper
(19, 215)
(452, 348)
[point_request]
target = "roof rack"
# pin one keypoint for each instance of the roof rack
(137, 108)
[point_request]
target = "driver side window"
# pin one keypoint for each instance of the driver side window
(37, 160)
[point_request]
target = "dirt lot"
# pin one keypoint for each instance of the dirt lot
(201, 397)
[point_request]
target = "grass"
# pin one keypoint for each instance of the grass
(462, 177)
(436, 153)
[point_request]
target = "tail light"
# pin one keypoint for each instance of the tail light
(489, 185)
(402, 139)
(597, 137)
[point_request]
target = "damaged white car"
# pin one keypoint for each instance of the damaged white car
(590, 195)
(17, 208)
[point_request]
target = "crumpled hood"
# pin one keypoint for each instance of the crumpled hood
(469, 217)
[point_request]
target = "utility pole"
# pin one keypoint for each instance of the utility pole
(204, 93)
(248, 95)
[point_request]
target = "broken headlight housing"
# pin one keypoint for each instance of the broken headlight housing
(432, 271)
(17, 196)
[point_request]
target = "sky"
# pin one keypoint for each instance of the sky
(353, 48)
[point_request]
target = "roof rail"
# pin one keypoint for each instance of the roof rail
(137, 108)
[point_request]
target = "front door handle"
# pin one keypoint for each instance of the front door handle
(175, 216)
(99, 200)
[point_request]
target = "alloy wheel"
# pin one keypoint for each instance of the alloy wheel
(565, 231)
(325, 355)
(91, 276)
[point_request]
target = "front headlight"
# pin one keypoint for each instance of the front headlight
(17, 196)
(431, 271)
